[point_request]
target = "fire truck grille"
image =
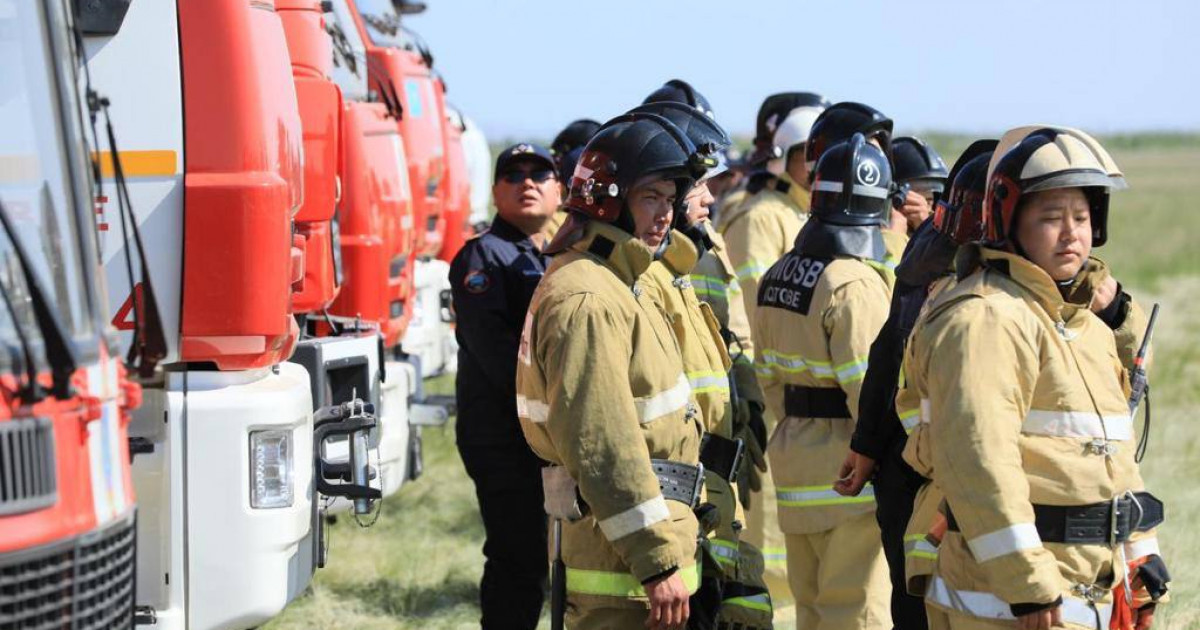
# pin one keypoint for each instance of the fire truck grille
(84, 584)
(27, 480)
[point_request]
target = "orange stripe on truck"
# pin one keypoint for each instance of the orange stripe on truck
(140, 163)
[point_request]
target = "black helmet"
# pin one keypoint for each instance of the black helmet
(959, 212)
(573, 136)
(914, 162)
(1047, 159)
(567, 163)
(771, 113)
(843, 120)
(851, 185)
(709, 139)
(705, 134)
(626, 149)
(679, 91)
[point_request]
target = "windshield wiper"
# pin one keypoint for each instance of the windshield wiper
(149, 341)
(60, 352)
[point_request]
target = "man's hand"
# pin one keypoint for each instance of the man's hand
(1104, 294)
(668, 603)
(915, 209)
(899, 222)
(1041, 620)
(854, 474)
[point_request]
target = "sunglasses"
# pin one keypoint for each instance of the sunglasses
(539, 176)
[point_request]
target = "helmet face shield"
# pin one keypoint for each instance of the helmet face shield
(629, 150)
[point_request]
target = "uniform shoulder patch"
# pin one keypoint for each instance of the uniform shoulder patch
(477, 281)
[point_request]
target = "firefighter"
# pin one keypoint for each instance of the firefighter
(733, 589)
(766, 159)
(492, 279)
(836, 124)
(1045, 505)
(820, 307)
(601, 389)
(920, 176)
(754, 242)
(567, 146)
(879, 435)
(767, 223)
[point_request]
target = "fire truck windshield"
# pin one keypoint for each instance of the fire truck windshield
(39, 175)
(383, 25)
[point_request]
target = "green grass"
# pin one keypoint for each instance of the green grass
(419, 566)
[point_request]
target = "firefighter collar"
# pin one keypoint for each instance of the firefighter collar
(681, 255)
(795, 192)
(1082, 288)
(627, 256)
(1036, 281)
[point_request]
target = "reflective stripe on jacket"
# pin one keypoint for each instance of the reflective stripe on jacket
(601, 390)
(814, 327)
(1024, 389)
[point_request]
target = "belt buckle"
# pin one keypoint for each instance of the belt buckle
(698, 486)
(739, 452)
(1113, 523)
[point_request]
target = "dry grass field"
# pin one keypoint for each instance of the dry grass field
(419, 566)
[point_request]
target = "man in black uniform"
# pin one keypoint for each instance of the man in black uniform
(879, 438)
(492, 280)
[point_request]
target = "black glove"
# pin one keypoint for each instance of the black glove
(1154, 576)
(753, 433)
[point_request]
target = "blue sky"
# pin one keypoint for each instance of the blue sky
(524, 68)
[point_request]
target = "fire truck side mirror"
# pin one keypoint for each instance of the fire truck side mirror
(100, 17)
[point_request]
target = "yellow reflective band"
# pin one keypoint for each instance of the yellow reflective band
(706, 381)
(910, 419)
(724, 551)
(817, 496)
(796, 364)
(888, 264)
(752, 270)
(612, 584)
(916, 546)
(774, 555)
(851, 371)
(753, 602)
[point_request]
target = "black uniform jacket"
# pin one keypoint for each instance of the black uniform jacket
(491, 282)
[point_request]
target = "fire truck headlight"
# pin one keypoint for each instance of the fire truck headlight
(271, 466)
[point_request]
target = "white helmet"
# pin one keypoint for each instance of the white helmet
(791, 132)
(1014, 136)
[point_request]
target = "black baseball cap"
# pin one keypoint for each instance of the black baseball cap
(523, 152)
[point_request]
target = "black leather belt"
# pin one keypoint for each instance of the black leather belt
(678, 481)
(1094, 523)
(815, 402)
(721, 456)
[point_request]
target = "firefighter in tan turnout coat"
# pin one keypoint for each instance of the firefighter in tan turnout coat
(601, 389)
(820, 307)
(1028, 413)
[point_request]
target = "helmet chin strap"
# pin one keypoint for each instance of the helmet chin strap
(699, 236)
(1070, 281)
(662, 247)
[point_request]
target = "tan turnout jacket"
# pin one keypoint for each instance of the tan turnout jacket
(601, 390)
(814, 327)
(1025, 397)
